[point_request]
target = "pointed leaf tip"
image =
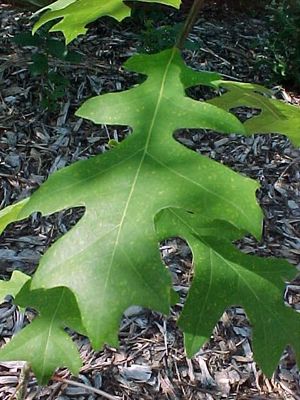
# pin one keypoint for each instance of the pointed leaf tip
(43, 343)
(14, 285)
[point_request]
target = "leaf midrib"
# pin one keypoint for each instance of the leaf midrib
(49, 333)
(145, 152)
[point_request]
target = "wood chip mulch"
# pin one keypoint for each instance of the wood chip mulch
(150, 362)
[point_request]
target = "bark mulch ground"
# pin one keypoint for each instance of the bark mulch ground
(150, 362)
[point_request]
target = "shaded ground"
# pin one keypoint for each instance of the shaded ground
(34, 143)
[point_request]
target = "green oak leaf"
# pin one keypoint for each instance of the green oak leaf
(224, 277)
(44, 344)
(74, 15)
(275, 117)
(10, 213)
(110, 259)
(14, 285)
